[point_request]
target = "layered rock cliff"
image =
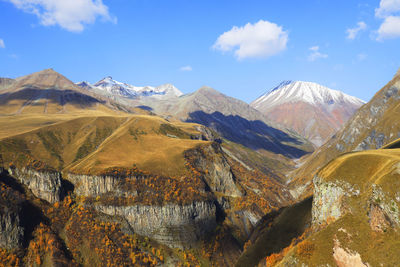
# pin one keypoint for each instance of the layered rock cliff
(95, 185)
(45, 185)
(11, 230)
(174, 225)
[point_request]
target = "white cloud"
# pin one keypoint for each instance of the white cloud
(71, 15)
(2, 44)
(352, 32)
(387, 8)
(390, 28)
(260, 40)
(186, 68)
(315, 54)
(389, 11)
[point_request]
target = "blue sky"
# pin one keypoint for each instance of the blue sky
(151, 42)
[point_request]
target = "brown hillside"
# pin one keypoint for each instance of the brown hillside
(48, 92)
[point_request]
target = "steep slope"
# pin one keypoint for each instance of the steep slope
(355, 213)
(312, 110)
(112, 88)
(48, 92)
(372, 126)
(235, 121)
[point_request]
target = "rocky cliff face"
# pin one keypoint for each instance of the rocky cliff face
(174, 225)
(329, 201)
(92, 185)
(210, 161)
(44, 185)
(11, 232)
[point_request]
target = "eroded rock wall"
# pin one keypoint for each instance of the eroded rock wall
(174, 225)
(44, 185)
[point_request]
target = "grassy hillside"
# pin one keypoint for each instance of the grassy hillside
(91, 144)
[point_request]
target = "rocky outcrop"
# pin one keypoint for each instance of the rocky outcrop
(207, 134)
(11, 232)
(92, 185)
(329, 200)
(177, 226)
(345, 258)
(45, 185)
(210, 161)
(330, 203)
(383, 211)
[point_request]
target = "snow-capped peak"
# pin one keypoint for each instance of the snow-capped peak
(309, 92)
(110, 86)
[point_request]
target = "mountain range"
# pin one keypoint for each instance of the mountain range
(112, 173)
(110, 87)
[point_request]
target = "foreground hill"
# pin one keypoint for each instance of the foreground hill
(312, 110)
(372, 126)
(355, 213)
(352, 219)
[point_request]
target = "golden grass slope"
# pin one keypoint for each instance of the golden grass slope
(90, 144)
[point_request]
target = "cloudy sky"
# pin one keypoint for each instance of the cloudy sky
(240, 47)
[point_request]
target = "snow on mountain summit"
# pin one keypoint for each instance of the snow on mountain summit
(109, 86)
(312, 110)
(309, 92)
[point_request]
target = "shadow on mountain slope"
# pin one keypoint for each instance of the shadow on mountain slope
(252, 134)
(61, 97)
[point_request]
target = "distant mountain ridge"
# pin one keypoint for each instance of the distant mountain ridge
(236, 121)
(111, 87)
(314, 111)
(49, 92)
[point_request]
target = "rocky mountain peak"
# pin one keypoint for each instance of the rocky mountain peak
(45, 79)
(301, 91)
